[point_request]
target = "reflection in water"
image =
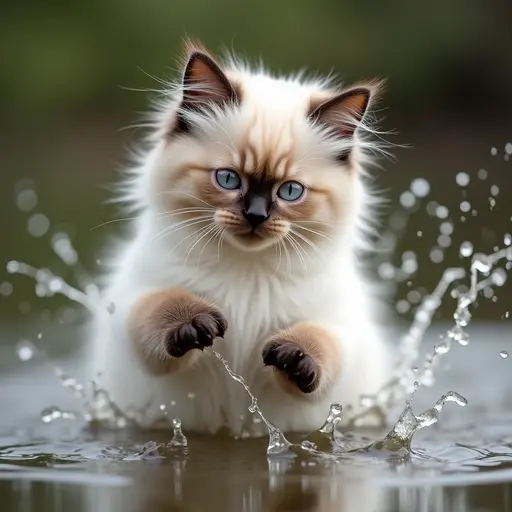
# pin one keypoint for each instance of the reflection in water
(293, 490)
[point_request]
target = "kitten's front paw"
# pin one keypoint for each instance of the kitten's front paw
(287, 357)
(198, 333)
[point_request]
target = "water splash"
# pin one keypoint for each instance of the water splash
(277, 442)
(98, 407)
(404, 374)
(51, 414)
(178, 439)
(400, 436)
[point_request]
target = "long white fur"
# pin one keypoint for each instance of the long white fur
(258, 292)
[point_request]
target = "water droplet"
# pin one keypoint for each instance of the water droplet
(507, 314)
(6, 289)
(173, 403)
(481, 263)
(482, 174)
(13, 267)
(495, 190)
(407, 199)
(465, 206)
(446, 228)
(38, 225)
(431, 208)
(444, 241)
(64, 249)
(111, 308)
(254, 405)
(54, 413)
(499, 277)
(466, 249)
(410, 266)
(504, 354)
(436, 255)
(507, 239)
(26, 200)
(442, 348)
(402, 307)
(442, 212)
(419, 234)
(494, 151)
(414, 297)
(25, 350)
(508, 148)
(191, 396)
(420, 187)
(162, 407)
(462, 179)
(40, 336)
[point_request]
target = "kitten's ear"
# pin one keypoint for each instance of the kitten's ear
(204, 83)
(344, 112)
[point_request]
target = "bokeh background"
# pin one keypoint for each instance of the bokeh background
(67, 69)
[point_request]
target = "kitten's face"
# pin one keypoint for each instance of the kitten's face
(259, 196)
(259, 161)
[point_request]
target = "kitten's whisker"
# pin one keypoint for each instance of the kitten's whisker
(299, 245)
(216, 231)
(280, 256)
(180, 225)
(297, 250)
(316, 222)
(221, 235)
(206, 233)
(160, 214)
(185, 210)
(112, 221)
(197, 231)
(310, 243)
(319, 233)
(187, 194)
(288, 258)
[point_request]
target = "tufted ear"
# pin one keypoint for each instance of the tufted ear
(204, 83)
(343, 112)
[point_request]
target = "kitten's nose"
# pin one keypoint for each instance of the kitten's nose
(256, 211)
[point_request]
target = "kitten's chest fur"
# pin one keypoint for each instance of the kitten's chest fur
(255, 302)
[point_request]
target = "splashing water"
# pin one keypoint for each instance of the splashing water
(400, 436)
(277, 442)
(408, 373)
(178, 439)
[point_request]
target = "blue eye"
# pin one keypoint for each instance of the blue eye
(290, 191)
(228, 179)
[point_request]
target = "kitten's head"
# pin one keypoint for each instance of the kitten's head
(260, 160)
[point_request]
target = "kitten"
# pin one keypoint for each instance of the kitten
(252, 209)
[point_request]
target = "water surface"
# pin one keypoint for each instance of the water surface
(462, 463)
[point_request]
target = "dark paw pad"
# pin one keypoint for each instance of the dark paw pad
(198, 333)
(288, 357)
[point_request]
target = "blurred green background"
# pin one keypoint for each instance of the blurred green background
(66, 66)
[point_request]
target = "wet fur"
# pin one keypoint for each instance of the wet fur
(290, 299)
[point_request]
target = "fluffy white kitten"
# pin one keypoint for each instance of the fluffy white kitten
(251, 215)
